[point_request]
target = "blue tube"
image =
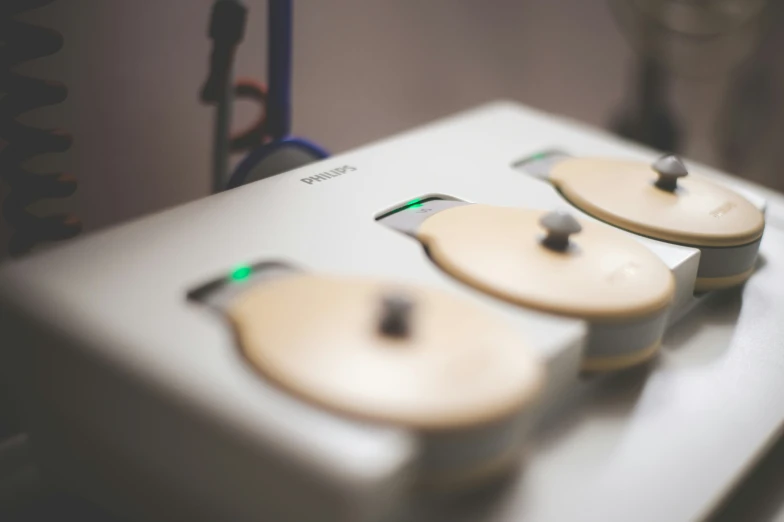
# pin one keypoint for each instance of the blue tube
(279, 69)
(256, 157)
(278, 105)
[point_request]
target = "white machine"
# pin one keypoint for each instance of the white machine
(469, 321)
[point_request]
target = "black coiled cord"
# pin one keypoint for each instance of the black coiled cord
(21, 42)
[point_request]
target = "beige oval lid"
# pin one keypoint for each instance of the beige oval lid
(698, 212)
(319, 337)
(604, 274)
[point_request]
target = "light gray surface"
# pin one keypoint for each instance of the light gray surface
(614, 339)
(728, 261)
(666, 445)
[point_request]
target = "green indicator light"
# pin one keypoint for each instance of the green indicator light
(241, 273)
(540, 156)
(414, 203)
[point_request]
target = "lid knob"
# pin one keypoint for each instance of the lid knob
(670, 168)
(559, 226)
(395, 315)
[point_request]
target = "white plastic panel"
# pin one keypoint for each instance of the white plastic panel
(666, 444)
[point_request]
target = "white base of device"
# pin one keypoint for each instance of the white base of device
(139, 398)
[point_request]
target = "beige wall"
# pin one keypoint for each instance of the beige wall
(363, 69)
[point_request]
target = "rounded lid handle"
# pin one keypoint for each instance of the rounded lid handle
(559, 226)
(395, 320)
(670, 168)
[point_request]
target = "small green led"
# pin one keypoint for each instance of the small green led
(241, 273)
(540, 156)
(414, 203)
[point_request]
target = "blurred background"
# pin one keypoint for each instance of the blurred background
(701, 77)
(704, 78)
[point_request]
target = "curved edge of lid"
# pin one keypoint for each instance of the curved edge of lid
(531, 393)
(651, 231)
(606, 315)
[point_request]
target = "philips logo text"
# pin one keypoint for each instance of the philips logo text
(326, 176)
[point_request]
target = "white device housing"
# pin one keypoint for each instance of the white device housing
(138, 397)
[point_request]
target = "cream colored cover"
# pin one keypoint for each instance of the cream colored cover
(698, 213)
(605, 275)
(460, 365)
